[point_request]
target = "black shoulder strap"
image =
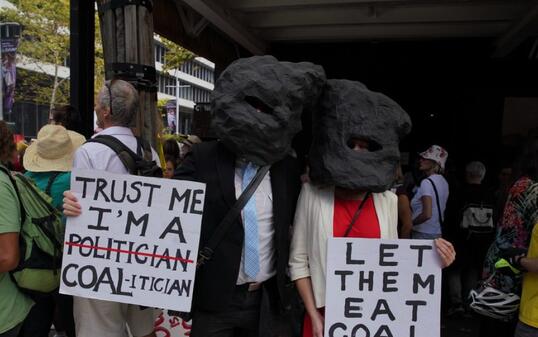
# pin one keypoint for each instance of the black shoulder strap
(356, 215)
(126, 155)
(437, 200)
(14, 183)
(52, 178)
(206, 253)
(144, 149)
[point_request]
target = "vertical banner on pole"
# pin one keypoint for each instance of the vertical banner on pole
(171, 116)
(10, 33)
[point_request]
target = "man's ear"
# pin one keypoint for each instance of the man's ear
(106, 112)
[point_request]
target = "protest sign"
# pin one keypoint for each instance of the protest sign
(136, 240)
(382, 288)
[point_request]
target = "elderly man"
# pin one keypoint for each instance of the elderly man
(116, 107)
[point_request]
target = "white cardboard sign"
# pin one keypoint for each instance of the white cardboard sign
(382, 288)
(136, 240)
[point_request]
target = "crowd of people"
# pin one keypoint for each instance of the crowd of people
(353, 187)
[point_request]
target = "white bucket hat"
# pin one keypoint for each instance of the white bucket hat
(436, 154)
(53, 150)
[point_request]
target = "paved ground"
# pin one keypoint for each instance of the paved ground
(459, 327)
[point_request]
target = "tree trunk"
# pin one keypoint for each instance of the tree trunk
(54, 90)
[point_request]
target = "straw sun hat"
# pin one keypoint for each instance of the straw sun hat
(53, 150)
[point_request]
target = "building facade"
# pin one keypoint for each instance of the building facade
(192, 84)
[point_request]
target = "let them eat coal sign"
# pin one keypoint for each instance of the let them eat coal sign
(382, 288)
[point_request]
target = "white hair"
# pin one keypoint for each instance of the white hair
(476, 169)
(124, 102)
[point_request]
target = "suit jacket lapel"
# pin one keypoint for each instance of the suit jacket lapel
(225, 166)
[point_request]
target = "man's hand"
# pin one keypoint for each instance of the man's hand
(446, 251)
(71, 205)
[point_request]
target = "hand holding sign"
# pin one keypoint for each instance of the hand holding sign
(71, 206)
(382, 288)
(446, 251)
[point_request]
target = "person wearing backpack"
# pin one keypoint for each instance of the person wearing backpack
(472, 235)
(48, 162)
(14, 305)
(49, 159)
(116, 107)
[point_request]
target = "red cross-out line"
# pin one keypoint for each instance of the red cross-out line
(128, 252)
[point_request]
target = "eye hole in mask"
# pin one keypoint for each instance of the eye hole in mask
(257, 104)
(361, 144)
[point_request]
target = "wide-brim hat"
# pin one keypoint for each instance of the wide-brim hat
(53, 149)
(436, 154)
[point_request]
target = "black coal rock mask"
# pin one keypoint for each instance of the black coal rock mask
(257, 105)
(356, 136)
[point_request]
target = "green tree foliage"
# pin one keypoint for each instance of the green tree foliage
(44, 44)
(99, 76)
(175, 55)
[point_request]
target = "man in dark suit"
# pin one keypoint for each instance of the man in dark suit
(257, 106)
(216, 282)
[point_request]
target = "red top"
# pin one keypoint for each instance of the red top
(365, 226)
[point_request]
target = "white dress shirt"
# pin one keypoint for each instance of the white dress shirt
(266, 230)
(101, 157)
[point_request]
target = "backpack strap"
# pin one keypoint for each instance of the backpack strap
(125, 154)
(144, 149)
(52, 178)
(14, 183)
